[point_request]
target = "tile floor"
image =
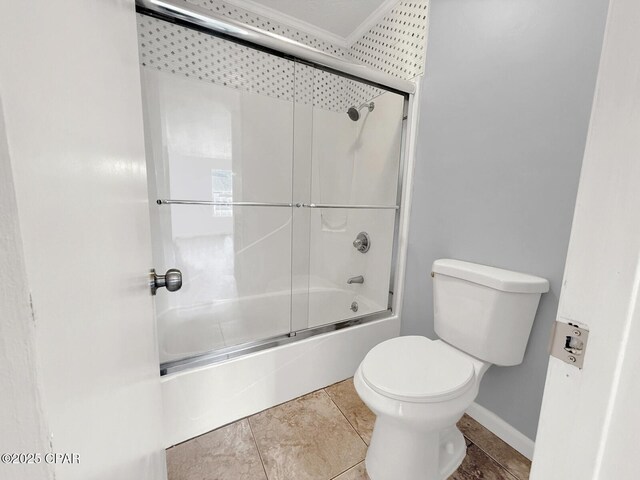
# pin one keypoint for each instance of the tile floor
(320, 436)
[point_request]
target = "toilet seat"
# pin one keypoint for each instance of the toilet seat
(417, 369)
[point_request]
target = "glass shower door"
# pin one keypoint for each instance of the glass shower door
(263, 172)
(220, 158)
(351, 134)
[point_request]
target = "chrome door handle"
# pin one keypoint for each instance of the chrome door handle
(171, 280)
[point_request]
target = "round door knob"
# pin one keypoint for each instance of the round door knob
(171, 280)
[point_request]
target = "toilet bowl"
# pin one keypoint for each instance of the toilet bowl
(415, 436)
(419, 388)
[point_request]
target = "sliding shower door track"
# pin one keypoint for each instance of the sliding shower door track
(227, 353)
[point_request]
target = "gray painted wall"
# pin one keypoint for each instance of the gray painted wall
(503, 123)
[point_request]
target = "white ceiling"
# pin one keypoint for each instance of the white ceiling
(340, 19)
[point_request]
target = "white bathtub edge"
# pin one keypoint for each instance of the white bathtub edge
(203, 399)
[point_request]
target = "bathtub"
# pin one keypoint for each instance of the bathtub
(201, 399)
(191, 331)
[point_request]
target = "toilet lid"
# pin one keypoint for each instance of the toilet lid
(416, 369)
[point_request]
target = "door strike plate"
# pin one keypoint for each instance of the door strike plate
(569, 343)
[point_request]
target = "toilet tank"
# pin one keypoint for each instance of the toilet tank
(485, 311)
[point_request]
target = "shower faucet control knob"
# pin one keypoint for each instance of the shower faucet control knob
(362, 243)
(171, 280)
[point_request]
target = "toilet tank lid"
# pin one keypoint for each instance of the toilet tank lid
(496, 278)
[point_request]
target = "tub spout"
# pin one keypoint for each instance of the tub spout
(358, 279)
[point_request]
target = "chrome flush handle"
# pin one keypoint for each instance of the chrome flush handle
(171, 280)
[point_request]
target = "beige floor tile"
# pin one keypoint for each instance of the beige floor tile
(306, 439)
(346, 398)
(228, 453)
(359, 472)
(513, 461)
(478, 466)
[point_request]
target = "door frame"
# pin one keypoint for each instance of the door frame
(588, 416)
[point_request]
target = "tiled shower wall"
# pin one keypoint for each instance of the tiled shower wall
(223, 8)
(396, 45)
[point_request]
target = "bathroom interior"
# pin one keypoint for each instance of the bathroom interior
(300, 239)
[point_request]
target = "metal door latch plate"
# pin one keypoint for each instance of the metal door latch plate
(569, 343)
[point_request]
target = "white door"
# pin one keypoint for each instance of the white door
(70, 88)
(590, 421)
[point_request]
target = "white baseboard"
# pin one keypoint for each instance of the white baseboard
(502, 429)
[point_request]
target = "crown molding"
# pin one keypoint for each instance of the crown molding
(290, 21)
(369, 22)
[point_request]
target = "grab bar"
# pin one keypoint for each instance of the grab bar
(270, 204)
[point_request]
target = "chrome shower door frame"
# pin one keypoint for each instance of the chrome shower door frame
(191, 17)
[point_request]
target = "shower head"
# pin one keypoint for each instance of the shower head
(354, 113)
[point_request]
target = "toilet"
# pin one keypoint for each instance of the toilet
(419, 388)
